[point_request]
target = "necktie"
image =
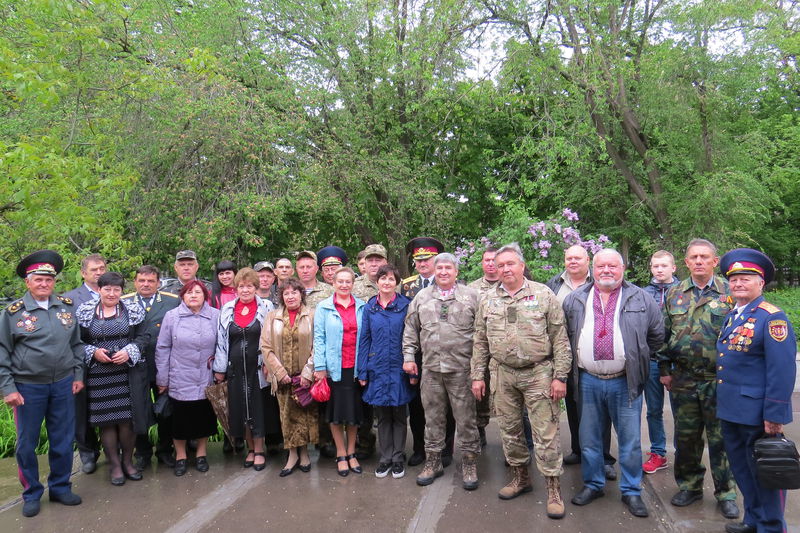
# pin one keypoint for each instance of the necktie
(425, 283)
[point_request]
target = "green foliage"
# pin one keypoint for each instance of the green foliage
(8, 434)
(789, 301)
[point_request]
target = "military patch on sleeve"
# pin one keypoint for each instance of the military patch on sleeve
(778, 330)
(768, 307)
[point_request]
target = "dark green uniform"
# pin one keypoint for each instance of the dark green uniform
(693, 318)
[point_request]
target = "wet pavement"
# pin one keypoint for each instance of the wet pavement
(230, 498)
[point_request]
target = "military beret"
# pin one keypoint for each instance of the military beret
(331, 255)
(43, 262)
(424, 247)
(747, 261)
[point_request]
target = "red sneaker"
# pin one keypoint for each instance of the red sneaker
(654, 464)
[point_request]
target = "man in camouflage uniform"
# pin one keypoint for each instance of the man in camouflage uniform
(307, 268)
(484, 285)
(423, 250)
(440, 322)
(694, 312)
(520, 324)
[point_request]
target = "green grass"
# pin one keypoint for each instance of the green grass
(789, 301)
(8, 434)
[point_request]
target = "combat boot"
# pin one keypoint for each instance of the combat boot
(555, 505)
(520, 482)
(469, 469)
(433, 468)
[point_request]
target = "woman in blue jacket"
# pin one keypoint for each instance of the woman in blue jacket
(380, 369)
(337, 322)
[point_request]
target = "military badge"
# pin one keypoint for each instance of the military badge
(778, 330)
(27, 322)
(66, 319)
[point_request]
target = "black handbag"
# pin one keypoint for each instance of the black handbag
(163, 406)
(777, 462)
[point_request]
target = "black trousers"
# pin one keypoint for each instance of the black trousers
(85, 435)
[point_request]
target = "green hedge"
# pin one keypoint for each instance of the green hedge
(789, 301)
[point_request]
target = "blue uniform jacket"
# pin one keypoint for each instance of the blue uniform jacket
(328, 333)
(756, 366)
(380, 353)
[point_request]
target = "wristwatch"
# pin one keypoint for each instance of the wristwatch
(562, 380)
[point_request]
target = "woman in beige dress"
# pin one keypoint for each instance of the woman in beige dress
(286, 344)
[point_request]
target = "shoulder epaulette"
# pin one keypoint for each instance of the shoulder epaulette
(170, 294)
(411, 278)
(14, 307)
(129, 295)
(64, 299)
(769, 308)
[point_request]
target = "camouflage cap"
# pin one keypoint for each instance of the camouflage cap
(375, 249)
(186, 254)
(306, 253)
(261, 265)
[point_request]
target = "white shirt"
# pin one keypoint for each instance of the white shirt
(586, 342)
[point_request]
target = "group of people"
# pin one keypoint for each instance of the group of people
(428, 353)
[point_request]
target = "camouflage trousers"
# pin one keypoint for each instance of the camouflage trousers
(436, 389)
(529, 387)
(694, 404)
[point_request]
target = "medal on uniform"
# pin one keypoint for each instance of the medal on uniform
(713, 305)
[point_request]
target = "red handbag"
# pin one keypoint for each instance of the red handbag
(320, 391)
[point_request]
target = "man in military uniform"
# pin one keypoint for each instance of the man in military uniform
(484, 285)
(694, 312)
(267, 288)
(307, 268)
(92, 267)
(156, 304)
(613, 328)
(440, 323)
(186, 267)
(756, 372)
(422, 251)
(520, 325)
(41, 369)
(330, 259)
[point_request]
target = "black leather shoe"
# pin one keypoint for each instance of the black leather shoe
(354, 469)
(609, 472)
(66, 498)
(201, 463)
(136, 476)
(728, 509)
(417, 458)
(635, 505)
(686, 497)
(587, 495)
(118, 481)
(305, 468)
(180, 467)
(88, 466)
(227, 447)
(258, 467)
(246, 463)
(739, 527)
(142, 462)
(30, 508)
(342, 459)
(288, 471)
(572, 459)
(166, 458)
(447, 460)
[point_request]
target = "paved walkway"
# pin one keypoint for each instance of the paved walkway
(230, 498)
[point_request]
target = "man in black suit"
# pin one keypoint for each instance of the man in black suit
(156, 304)
(92, 267)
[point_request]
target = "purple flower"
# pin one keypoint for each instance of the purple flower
(570, 214)
(545, 245)
(602, 238)
(557, 227)
(547, 267)
(532, 231)
(543, 252)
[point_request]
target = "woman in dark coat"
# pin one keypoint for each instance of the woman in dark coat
(380, 369)
(238, 360)
(117, 374)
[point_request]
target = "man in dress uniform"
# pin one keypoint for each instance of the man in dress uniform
(186, 267)
(307, 268)
(41, 369)
(440, 323)
(422, 251)
(694, 311)
(520, 325)
(92, 267)
(156, 304)
(330, 259)
(755, 378)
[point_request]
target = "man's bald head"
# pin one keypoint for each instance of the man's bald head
(576, 261)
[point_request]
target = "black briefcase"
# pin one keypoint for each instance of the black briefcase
(777, 463)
